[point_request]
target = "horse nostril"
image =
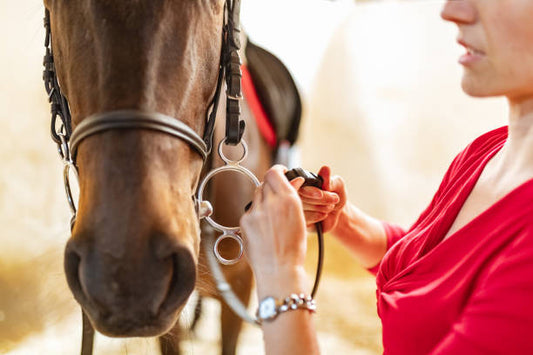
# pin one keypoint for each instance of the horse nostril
(72, 266)
(183, 280)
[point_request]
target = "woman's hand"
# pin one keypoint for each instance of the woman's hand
(324, 205)
(275, 232)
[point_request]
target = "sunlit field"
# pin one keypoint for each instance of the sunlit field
(383, 107)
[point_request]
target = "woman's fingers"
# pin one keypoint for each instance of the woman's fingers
(297, 183)
(325, 198)
(257, 199)
(318, 208)
(311, 192)
(314, 217)
(325, 173)
(275, 178)
(337, 184)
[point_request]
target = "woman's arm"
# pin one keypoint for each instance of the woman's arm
(276, 244)
(362, 234)
(291, 332)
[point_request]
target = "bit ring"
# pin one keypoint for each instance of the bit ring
(69, 166)
(222, 259)
(212, 173)
(226, 159)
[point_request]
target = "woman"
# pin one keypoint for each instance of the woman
(460, 280)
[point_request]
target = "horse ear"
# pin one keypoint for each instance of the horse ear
(277, 91)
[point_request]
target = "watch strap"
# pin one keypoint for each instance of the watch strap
(269, 308)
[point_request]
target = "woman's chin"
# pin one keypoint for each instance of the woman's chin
(477, 90)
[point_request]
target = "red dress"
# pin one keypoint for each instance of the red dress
(473, 292)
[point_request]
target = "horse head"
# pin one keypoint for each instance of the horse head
(132, 259)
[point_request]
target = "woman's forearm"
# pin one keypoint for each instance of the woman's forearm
(362, 234)
(293, 333)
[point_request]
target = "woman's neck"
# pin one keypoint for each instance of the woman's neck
(516, 157)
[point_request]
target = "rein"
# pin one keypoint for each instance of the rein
(69, 139)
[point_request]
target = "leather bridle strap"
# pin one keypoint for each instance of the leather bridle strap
(230, 70)
(87, 335)
(131, 119)
(234, 125)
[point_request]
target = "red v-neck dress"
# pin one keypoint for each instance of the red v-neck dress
(471, 293)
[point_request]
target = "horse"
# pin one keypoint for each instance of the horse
(134, 255)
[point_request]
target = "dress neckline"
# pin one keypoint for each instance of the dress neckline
(444, 224)
(428, 239)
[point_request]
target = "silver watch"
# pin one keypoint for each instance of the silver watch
(269, 308)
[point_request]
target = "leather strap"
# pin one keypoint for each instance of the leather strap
(87, 338)
(234, 124)
(130, 119)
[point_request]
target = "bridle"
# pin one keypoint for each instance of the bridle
(69, 139)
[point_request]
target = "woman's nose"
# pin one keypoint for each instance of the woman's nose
(459, 11)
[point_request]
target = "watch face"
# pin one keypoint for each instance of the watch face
(267, 308)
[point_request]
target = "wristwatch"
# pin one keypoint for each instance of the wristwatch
(269, 308)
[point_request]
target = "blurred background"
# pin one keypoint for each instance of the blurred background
(383, 108)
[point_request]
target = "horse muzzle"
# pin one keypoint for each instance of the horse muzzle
(133, 294)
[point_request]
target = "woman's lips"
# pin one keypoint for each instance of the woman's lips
(472, 55)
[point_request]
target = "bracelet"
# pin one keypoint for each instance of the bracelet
(269, 308)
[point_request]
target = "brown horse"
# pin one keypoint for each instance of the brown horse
(134, 255)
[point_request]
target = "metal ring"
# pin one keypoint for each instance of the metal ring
(220, 258)
(212, 173)
(63, 147)
(68, 190)
(229, 161)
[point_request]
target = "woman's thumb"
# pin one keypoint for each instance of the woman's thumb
(325, 173)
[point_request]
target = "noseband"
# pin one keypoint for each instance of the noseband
(69, 140)
(130, 119)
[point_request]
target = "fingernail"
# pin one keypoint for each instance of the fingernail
(312, 192)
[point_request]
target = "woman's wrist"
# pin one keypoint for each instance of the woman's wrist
(362, 234)
(349, 216)
(282, 282)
